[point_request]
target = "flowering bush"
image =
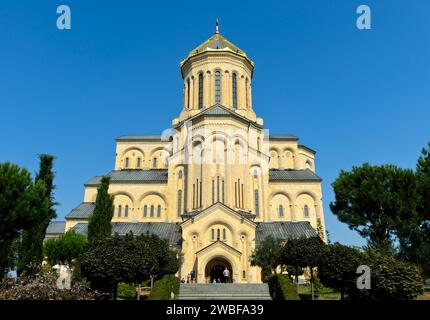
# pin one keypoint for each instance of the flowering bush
(43, 287)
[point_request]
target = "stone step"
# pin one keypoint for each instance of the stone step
(227, 291)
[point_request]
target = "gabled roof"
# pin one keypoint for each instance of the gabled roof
(283, 137)
(219, 243)
(219, 110)
(169, 231)
(293, 175)
(284, 230)
(56, 227)
(240, 215)
(132, 175)
(83, 211)
(143, 137)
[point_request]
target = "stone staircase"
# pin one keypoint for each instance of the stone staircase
(223, 291)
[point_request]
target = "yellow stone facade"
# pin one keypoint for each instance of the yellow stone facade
(218, 175)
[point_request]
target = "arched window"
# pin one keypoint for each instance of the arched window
(188, 92)
(138, 163)
(119, 211)
(126, 211)
(151, 213)
(145, 211)
(246, 92)
(234, 84)
(213, 234)
(158, 211)
(179, 202)
(224, 234)
(154, 163)
(281, 210)
(180, 174)
(218, 236)
(256, 203)
(126, 162)
(200, 90)
(306, 211)
(217, 87)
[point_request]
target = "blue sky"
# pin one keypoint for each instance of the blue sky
(354, 96)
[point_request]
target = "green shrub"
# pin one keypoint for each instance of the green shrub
(126, 291)
(163, 287)
(282, 288)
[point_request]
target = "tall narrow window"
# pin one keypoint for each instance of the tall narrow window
(180, 175)
(281, 210)
(145, 211)
(154, 163)
(256, 203)
(194, 196)
(242, 197)
(258, 144)
(235, 194)
(200, 90)
(179, 203)
(119, 211)
(127, 162)
(217, 87)
(217, 189)
(234, 84)
(158, 211)
(224, 234)
(213, 191)
(126, 211)
(201, 195)
(218, 236)
(188, 93)
(138, 163)
(213, 234)
(246, 92)
(151, 213)
(306, 211)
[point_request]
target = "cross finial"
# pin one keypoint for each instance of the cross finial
(217, 26)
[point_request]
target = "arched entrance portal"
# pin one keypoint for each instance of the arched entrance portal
(215, 269)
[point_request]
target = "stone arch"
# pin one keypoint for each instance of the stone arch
(153, 200)
(287, 158)
(305, 199)
(124, 193)
(274, 158)
(233, 263)
(161, 156)
(132, 153)
(162, 196)
(278, 199)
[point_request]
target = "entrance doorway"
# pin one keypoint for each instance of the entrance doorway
(214, 271)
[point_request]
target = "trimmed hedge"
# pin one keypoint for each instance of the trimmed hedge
(163, 287)
(126, 291)
(281, 287)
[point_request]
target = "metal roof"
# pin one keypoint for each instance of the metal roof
(284, 230)
(292, 175)
(56, 227)
(283, 137)
(143, 137)
(169, 231)
(83, 211)
(133, 175)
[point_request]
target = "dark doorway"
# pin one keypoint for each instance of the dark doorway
(214, 271)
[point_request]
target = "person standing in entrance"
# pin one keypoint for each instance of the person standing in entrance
(226, 275)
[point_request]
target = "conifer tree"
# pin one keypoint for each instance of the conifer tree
(99, 225)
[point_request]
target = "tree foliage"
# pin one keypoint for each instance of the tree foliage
(338, 266)
(99, 225)
(379, 202)
(267, 255)
(65, 248)
(21, 203)
(128, 259)
(31, 248)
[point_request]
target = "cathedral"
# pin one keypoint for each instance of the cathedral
(217, 183)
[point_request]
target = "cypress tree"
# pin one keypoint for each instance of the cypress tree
(99, 225)
(31, 248)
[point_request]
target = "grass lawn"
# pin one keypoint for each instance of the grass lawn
(322, 294)
(425, 296)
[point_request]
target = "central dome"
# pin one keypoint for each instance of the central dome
(217, 43)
